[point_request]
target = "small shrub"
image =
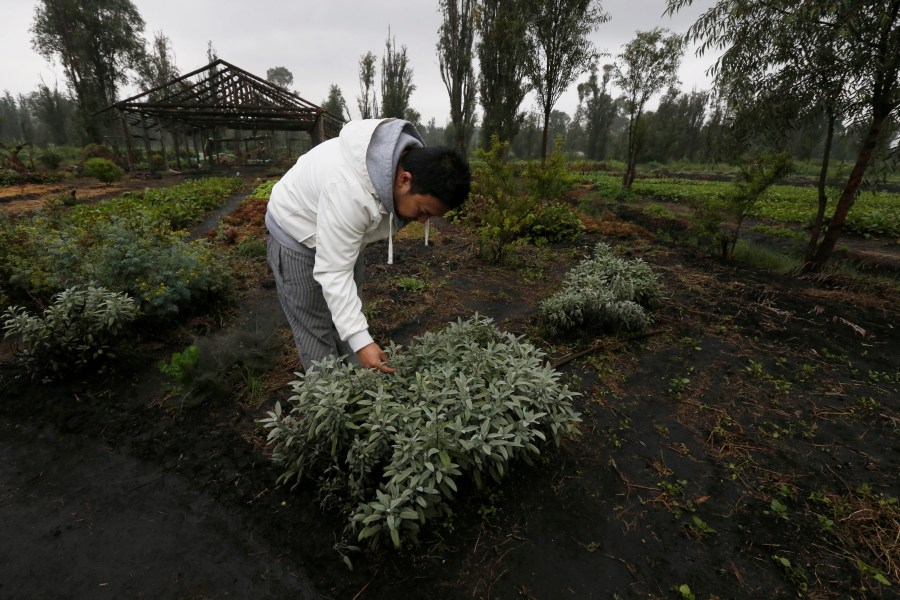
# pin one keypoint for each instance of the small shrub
(551, 180)
(75, 332)
(50, 158)
(757, 176)
(504, 215)
(179, 365)
(554, 222)
(103, 169)
(602, 292)
(251, 247)
(156, 162)
(658, 210)
(96, 151)
(160, 268)
(465, 402)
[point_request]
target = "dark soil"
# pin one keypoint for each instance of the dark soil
(745, 446)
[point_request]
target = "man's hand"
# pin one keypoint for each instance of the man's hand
(372, 357)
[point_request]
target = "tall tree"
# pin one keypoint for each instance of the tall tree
(211, 54)
(857, 40)
(647, 65)
(527, 144)
(96, 42)
(280, 76)
(396, 80)
(367, 102)
(53, 115)
(10, 121)
(455, 38)
(596, 112)
(158, 65)
(674, 129)
(335, 103)
(560, 50)
(502, 82)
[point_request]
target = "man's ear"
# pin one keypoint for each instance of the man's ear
(404, 177)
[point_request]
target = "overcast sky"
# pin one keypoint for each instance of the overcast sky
(321, 42)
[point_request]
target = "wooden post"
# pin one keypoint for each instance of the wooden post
(177, 149)
(129, 154)
(146, 143)
(242, 152)
(193, 140)
(162, 145)
(319, 136)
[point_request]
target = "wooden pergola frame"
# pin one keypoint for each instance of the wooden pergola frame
(221, 95)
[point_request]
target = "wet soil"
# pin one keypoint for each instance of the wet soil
(745, 446)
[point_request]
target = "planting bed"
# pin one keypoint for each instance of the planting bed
(744, 446)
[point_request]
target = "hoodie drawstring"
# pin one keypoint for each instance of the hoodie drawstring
(390, 260)
(391, 239)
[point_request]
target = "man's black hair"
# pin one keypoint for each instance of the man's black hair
(441, 172)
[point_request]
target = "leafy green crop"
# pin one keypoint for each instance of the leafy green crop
(464, 402)
(873, 214)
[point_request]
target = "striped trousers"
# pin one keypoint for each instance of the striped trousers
(304, 304)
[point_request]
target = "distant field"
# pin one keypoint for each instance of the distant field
(875, 214)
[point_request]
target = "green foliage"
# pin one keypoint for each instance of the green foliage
(874, 213)
(757, 175)
(77, 331)
(551, 180)
(263, 190)
(157, 163)
(180, 363)
(125, 244)
(95, 151)
(252, 247)
(184, 204)
(160, 268)
(50, 158)
(465, 402)
(504, 215)
(103, 169)
(605, 292)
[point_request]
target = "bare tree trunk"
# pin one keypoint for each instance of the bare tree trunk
(628, 178)
(544, 136)
(848, 196)
(823, 198)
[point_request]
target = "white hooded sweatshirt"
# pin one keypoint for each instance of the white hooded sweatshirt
(336, 199)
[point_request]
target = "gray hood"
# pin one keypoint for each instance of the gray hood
(389, 140)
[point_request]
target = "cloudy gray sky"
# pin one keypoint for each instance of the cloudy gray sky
(321, 41)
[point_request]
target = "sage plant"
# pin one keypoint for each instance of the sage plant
(465, 402)
(604, 291)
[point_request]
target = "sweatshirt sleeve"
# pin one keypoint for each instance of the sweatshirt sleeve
(343, 220)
